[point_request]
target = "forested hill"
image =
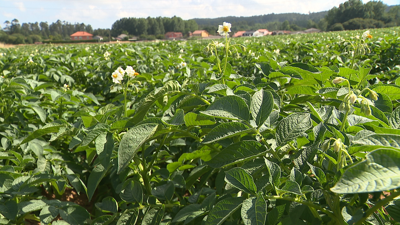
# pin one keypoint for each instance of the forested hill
(251, 20)
(295, 18)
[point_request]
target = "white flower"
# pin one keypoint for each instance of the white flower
(276, 51)
(117, 77)
(366, 35)
(130, 71)
(121, 71)
(224, 29)
(30, 61)
(182, 64)
(66, 87)
(106, 55)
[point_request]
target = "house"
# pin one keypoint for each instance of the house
(248, 33)
(173, 35)
(281, 32)
(239, 33)
(81, 35)
(200, 33)
(312, 30)
(99, 38)
(261, 32)
(122, 37)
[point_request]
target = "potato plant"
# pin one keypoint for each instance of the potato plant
(300, 129)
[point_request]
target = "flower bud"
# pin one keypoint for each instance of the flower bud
(374, 95)
(352, 98)
(338, 80)
(337, 146)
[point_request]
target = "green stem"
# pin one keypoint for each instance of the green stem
(125, 111)
(344, 120)
(145, 176)
(377, 206)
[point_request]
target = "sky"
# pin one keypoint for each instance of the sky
(103, 13)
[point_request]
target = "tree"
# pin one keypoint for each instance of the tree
(285, 25)
(15, 26)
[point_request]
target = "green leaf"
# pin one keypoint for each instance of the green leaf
(391, 90)
(229, 107)
(226, 130)
(290, 187)
(187, 211)
(274, 172)
(153, 216)
(394, 210)
(48, 214)
(384, 140)
(51, 128)
(30, 206)
(9, 209)
(164, 192)
(193, 119)
(236, 153)
(222, 210)
(41, 113)
(107, 205)
(379, 172)
(354, 120)
(178, 118)
(304, 66)
(254, 211)
(240, 179)
(132, 191)
(261, 106)
(302, 90)
(74, 214)
(132, 141)
(292, 127)
(129, 216)
(394, 119)
(104, 145)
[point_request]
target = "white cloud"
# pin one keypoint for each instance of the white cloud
(20, 6)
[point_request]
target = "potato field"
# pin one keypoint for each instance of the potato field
(285, 129)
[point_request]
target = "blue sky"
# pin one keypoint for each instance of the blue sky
(103, 13)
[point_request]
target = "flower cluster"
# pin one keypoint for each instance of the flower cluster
(119, 73)
(107, 55)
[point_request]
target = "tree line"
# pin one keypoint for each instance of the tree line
(354, 14)
(16, 33)
(152, 27)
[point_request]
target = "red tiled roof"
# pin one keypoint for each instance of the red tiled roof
(80, 33)
(239, 33)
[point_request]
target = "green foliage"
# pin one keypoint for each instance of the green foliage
(271, 139)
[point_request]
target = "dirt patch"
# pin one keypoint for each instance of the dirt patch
(2, 45)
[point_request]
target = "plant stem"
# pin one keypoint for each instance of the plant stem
(125, 111)
(377, 206)
(344, 120)
(145, 177)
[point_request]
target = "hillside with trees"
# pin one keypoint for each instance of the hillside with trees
(353, 14)
(151, 28)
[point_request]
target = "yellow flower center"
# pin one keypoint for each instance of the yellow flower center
(225, 29)
(136, 74)
(369, 36)
(115, 75)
